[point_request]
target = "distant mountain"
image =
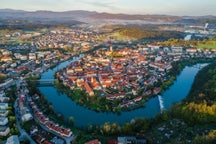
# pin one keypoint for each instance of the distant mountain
(10, 10)
(77, 14)
(87, 16)
(197, 20)
(17, 14)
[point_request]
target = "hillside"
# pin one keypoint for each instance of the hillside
(43, 15)
(162, 18)
(197, 20)
(137, 32)
(207, 44)
(92, 16)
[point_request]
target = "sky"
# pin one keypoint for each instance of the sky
(170, 7)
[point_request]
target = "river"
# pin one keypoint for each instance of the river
(83, 116)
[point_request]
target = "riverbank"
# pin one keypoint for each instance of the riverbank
(193, 119)
(96, 122)
(63, 104)
(101, 104)
(99, 130)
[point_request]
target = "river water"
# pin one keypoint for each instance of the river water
(83, 116)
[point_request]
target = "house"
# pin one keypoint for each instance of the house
(33, 130)
(148, 92)
(112, 141)
(2, 93)
(156, 90)
(23, 57)
(78, 69)
(4, 99)
(3, 121)
(4, 130)
(56, 140)
(47, 142)
(6, 59)
(139, 98)
(32, 56)
(88, 89)
(131, 140)
(177, 49)
(7, 83)
(126, 140)
(3, 105)
(38, 138)
(96, 141)
(115, 96)
(191, 50)
(141, 141)
(26, 117)
(155, 47)
(3, 112)
(13, 140)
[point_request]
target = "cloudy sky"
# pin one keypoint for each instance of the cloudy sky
(171, 7)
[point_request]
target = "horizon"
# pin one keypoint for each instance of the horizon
(135, 7)
(43, 10)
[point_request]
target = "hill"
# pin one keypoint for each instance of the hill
(151, 18)
(87, 16)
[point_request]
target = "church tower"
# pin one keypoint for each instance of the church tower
(111, 48)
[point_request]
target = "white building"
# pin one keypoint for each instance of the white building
(4, 99)
(4, 131)
(23, 57)
(8, 83)
(3, 105)
(32, 56)
(177, 49)
(3, 121)
(13, 140)
(26, 117)
(2, 93)
(3, 113)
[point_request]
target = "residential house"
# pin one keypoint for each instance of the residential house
(4, 130)
(126, 140)
(3, 112)
(3, 121)
(95, 141)
(6, 59)
(14, 139)
(130, 140)
(3, 105)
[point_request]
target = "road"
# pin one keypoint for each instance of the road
(22, 131)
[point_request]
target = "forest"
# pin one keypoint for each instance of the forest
(137, 33)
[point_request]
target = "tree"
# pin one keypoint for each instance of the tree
(140, 125)
(107, 127)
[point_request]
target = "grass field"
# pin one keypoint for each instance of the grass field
(211, 44)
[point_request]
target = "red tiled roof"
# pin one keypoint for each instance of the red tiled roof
(96, 141)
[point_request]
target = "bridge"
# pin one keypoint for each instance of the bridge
(45, 82)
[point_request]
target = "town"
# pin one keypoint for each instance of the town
(128, 73)
(22, 61)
